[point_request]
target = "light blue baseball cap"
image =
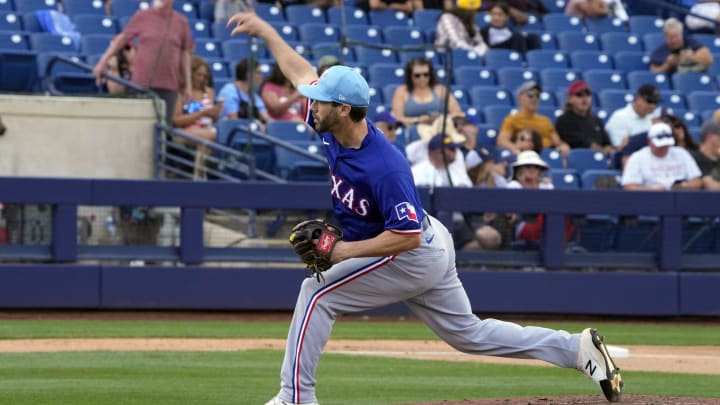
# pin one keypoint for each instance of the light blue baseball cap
(341, 84)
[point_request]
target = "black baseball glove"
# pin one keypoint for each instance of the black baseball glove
(313, 240)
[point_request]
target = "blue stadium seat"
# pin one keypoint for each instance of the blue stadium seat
(490, 95)
(645, 24)
(487, 135)
(621, 41)
(321, 49)
(583, 159)
(31, 23)
(77, 7)
(548, 40)
(689, 82)
(558, 78)
(10, 21)
(559, 22)
(534, 23)
(554, 6)
(592, 59)
(545, 58)
(612, 99)
(388, 18)
(126, 8)
(652, 41)
(703, 100)
(208, 48)
(637, 78)
(548, 107)
(186, 8)
(673, 99)
(501, 58)
(220, 68)
(553, 158)
(207, 11)
(470, 76)
(18, 70)
(7, 5)
(24, 6)
(220, 32)
(311, 33)
(570, 41)
(463, 57)
(631, 60)
(367, 34)
(46, 42)
(300, 14)
(269, 12)
(495, 114)
(14, 41)
(355, 16)
(604, 79)
(462, 95)
(426, 19)
(691, 118)
(288, 31)
(604, 24)
(383, 94)
(429, 54)
(710, 40)
(381, 74)
(199, 28)
(565, 179)
(290, 131)
(231, 133)
(95, 24)
(600, 179)
(512, 77)
(402, 36)
(95, 44)
(236, 49)
(293, 166)
(369, 56)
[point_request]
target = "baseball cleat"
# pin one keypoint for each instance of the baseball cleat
(278, 401)
(595, 361)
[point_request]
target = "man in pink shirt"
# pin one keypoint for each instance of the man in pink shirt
(164, 46)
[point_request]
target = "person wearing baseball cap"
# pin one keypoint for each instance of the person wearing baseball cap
(528, 99)
(707, 156)
(634, 118)
(577, 125)
(387, 123)
(661, 165)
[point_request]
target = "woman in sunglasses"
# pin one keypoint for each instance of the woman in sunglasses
(421, 100)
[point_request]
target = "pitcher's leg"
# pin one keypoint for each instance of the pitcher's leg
(446, 310)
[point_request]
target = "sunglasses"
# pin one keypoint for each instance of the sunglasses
(419, 75)
(532, 94)
(677, 125)
(582, 94)
(650, 100)
(524, 138)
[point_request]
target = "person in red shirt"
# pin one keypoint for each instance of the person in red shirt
(164, 47)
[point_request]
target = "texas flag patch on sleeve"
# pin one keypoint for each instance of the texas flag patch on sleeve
(405, 210)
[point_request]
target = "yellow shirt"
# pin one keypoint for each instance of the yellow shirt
(542, 124)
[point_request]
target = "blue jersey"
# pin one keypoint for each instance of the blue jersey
(372, 187)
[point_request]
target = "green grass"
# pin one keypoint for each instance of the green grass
(616, 332)
(252, 377)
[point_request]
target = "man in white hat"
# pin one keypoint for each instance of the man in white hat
(661, 165)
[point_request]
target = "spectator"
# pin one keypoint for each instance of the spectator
(527, 139)
(679, 53)
(529, 99)
(457, 29)
(406, 6)
(661, 165)
(120, 65)
(577, 125)
(707, 8)
(281, 98)
(596, 9)
(528, 172)
(635, 117)
(326, 62)
(386, 122)
(164, 47)
(498, 34)
(197, 116)
(237, 103)
(521, 9)
(421, 99)
(225, 9)
(681, 133)
(707, 156)
(490, 230)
